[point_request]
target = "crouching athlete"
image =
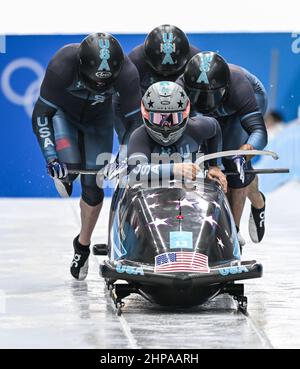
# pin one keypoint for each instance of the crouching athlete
(168, 129)
(238, 100)
(73, 122)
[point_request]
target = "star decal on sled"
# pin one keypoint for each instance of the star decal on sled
(216, 205)
(151, 196)
(184, 202)
(210, 220)
(157, 222)
(220, 243)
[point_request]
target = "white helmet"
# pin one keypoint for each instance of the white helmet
(165, 110)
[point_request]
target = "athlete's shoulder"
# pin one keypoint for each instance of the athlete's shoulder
(237, 74)
(140, 142)
(128, 66)
(140, 134)
(241, 95)
(137, 53)
(128, 79)
(137, 56)
(202, 127)
(64, 63)
(239, 86)
(194, 50)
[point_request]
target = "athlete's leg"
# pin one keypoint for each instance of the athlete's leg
(256, 223)
(89, 216)
(97, 139)
(237, 198)
(66, 140)
(67, 146)
(254, 195)
(234, 136)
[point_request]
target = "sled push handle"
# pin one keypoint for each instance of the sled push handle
(224, 154)
(259, 171)
(111, 170)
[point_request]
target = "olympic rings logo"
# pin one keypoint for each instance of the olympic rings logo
(31, 94)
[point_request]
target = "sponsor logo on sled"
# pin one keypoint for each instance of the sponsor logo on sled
(129, 269)
(181, 261)
(233, 270)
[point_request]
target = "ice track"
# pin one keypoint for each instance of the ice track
(42, 307)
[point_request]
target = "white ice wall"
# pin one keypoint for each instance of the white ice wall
(138, 16)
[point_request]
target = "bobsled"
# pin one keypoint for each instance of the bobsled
(175, 246)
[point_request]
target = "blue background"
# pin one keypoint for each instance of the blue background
(22, 169)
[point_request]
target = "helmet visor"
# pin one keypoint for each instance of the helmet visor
(169, 119)
(166, 119)
(206, 100)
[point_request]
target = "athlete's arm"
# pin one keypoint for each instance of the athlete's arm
(243, 98)
(214, 139)
(43, 129)
(44, 110)
(207, 130)
(254, 125)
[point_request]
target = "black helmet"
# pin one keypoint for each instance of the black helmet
(100, 60)
(166, 49)
(206, 78)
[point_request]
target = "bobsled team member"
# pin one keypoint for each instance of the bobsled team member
(73, 121)
(162, 57)
(168, 129)
(238, 100)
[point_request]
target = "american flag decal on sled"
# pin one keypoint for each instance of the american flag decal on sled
(192, 262)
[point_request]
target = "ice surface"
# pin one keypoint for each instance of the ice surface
(42, 307)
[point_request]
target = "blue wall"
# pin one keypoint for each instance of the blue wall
(22, 169)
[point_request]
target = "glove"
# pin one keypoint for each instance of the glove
(240, 162)
(112, 170)
(57, 169)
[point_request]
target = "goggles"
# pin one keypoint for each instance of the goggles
(166, 119)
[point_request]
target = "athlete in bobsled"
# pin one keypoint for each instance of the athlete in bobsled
(168, 129)
(73, 121)
(162, 57)
(238, 100)
(174, 242)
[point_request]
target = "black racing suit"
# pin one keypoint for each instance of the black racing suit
(202, 135)
(75, 125)
(241, 118)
